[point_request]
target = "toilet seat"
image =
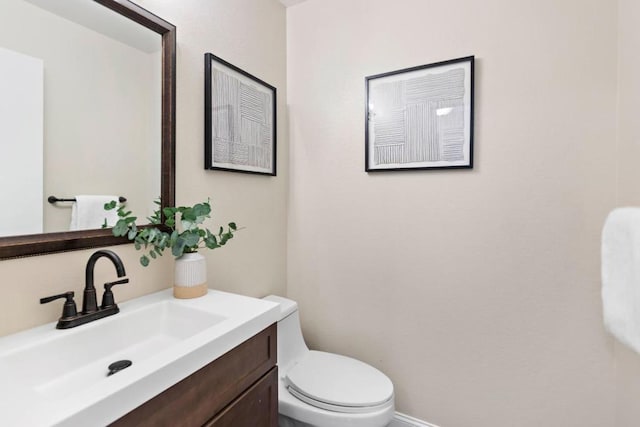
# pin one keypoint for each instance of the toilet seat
(338, 383)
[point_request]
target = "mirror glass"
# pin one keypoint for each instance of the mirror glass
(80, 113)
(126, 147)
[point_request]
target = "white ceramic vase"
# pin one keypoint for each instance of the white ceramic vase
(190, 276)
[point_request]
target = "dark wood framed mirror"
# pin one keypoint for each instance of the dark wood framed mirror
(36, 244)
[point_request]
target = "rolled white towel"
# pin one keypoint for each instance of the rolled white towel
(88, 212)
(621, 275)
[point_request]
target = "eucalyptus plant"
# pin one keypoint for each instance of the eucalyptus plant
(183, 231)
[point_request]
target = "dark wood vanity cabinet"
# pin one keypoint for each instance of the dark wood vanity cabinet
(239, 389)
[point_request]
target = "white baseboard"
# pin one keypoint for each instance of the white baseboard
(402, 420)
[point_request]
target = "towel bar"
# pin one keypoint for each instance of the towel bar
(54, 199)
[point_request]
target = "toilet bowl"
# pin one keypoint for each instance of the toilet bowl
(319, 389)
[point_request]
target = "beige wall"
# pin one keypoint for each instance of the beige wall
(251, 35)
(627, 361)
(478, 291)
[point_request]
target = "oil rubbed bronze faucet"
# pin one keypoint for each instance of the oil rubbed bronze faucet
(90, 311)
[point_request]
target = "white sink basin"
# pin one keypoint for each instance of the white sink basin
(59, 377)
(77, 361)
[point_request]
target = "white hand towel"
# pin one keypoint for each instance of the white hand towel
(621, 275)
(88, 212)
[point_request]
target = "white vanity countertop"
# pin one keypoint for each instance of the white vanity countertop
(54, 377)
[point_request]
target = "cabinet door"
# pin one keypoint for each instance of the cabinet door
(202, 395)
(256, 407)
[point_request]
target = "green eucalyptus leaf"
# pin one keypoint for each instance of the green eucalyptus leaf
(169, 212)
(110, 206)
(132, 234)
(202, 210)
(211, 242)
(120, 229)
(155, 218)
(144, 233)
(188, 215)
(223, 239)
(163, 241)
(232, 225)
(187, 225)
(178, 247)
(191, 238)
(144, 260)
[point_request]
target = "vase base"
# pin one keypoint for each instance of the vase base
(187, 292)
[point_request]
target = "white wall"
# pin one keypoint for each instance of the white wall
(478, 291)
(250, 34)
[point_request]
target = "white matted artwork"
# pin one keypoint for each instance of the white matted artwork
(420, 117)
(240, 120)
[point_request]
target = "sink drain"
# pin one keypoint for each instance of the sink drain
(119, 366)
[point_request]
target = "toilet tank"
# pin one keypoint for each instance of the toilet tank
(291, 345)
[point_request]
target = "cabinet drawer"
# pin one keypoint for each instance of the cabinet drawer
(257, 407)
(196, 399)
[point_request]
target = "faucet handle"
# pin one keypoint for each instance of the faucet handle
(107, 297)
(69, 309)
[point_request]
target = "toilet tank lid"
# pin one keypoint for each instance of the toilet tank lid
(287, 306)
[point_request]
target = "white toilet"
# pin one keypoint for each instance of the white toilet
(321, 389)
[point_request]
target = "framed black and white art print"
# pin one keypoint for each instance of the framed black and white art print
(420, 117)
(240, 120)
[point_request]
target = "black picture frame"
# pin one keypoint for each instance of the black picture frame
(420, 117)
(240, 120)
